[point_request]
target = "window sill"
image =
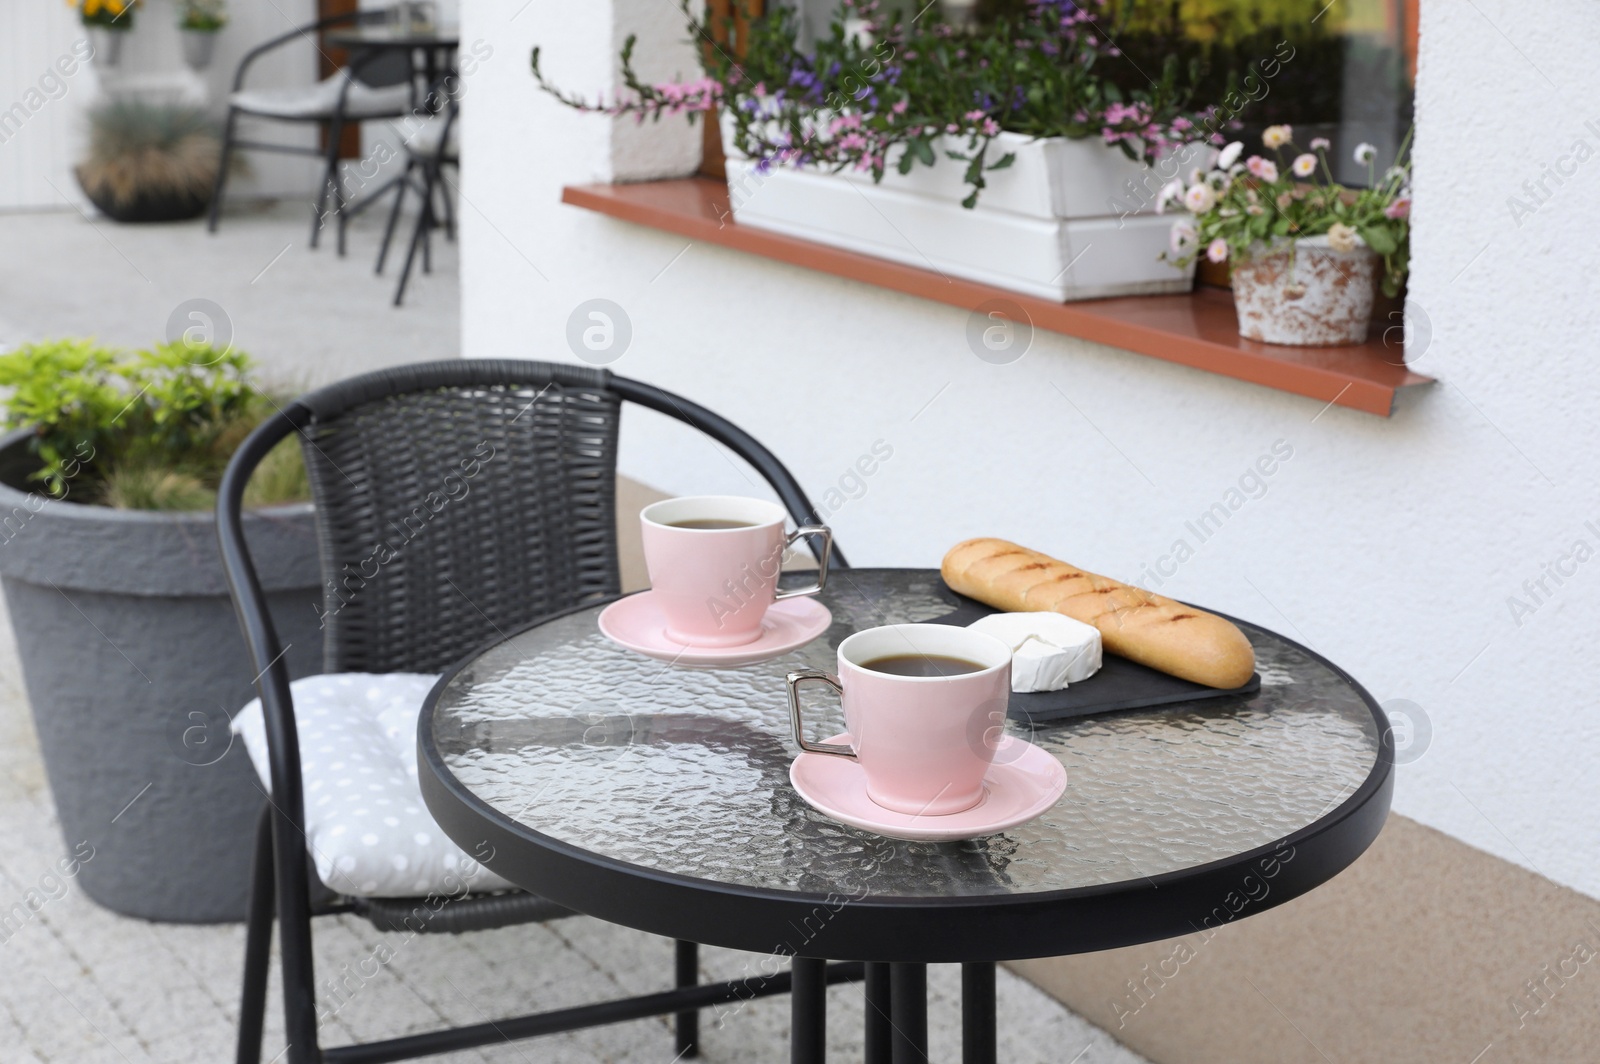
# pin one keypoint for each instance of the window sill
(1196, 329)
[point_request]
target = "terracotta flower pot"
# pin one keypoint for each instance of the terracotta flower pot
(1305, 293)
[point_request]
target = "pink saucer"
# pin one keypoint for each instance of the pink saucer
(1023, 782)
(636, 623)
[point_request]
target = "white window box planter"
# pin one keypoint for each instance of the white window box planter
(1068, 220)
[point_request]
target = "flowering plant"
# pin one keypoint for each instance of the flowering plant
(1242, 205)
(208, 16)
(876, 91)
(117, 14)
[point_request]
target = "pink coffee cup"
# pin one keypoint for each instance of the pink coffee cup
(923, 742)
(714, 585)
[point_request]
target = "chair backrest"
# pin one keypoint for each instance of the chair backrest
(382, 67)
(377, 68)
(458, 500)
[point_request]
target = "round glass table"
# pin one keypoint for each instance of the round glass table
(658, 797)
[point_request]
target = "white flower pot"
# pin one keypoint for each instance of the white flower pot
(198, 48)
(1305, 293)
(1067, 220)
(107, 44)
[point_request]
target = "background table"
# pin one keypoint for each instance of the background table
(658, 797)
(431, 43)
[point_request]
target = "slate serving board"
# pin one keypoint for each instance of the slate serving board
(1120, 683)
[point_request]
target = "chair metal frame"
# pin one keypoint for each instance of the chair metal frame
(283, 880)
(431, 180)
(333, 125)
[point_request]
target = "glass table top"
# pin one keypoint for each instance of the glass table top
(444, 36)
(686, 771)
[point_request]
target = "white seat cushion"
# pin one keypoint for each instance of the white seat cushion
(366, 827)
(425, 137)
(319, 100)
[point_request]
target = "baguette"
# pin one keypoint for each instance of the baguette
(1134, 623)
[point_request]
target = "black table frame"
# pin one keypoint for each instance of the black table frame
(891, 936)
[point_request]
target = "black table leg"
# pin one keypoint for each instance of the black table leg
(808, 1011)
(878, 1011)
(977, 1013)
(908, 995)
(686, 1025)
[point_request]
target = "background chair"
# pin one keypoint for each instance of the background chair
(428, 150)
(374, 85)
(535, 534)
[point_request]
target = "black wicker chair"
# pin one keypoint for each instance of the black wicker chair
(535, 535)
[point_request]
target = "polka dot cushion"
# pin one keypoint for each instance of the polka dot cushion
(369, 833)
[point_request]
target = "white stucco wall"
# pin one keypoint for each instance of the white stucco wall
(1391, 545)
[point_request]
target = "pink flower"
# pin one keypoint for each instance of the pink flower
(1304, 165)
(990, 127)
(1320, 144)
(1265, 169)
(1400, 208)
(1200, 198)
(974, 116)
(900, 107)
(1217, 250)
(1277, 136)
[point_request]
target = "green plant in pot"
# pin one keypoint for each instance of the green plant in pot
(199, 22)
(147, 430)
(112, 579)
(149, 162)
(890, 89)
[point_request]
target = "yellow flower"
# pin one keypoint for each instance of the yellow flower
(92, 8)
(1276, 136)
(1341, 237)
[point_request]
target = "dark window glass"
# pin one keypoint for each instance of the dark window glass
(1348, 77)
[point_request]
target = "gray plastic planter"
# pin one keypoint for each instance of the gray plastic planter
(134, 664)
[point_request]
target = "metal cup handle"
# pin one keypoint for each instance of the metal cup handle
(795, 680)
(822, 562)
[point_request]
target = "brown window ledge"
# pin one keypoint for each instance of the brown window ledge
(1197, 329)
